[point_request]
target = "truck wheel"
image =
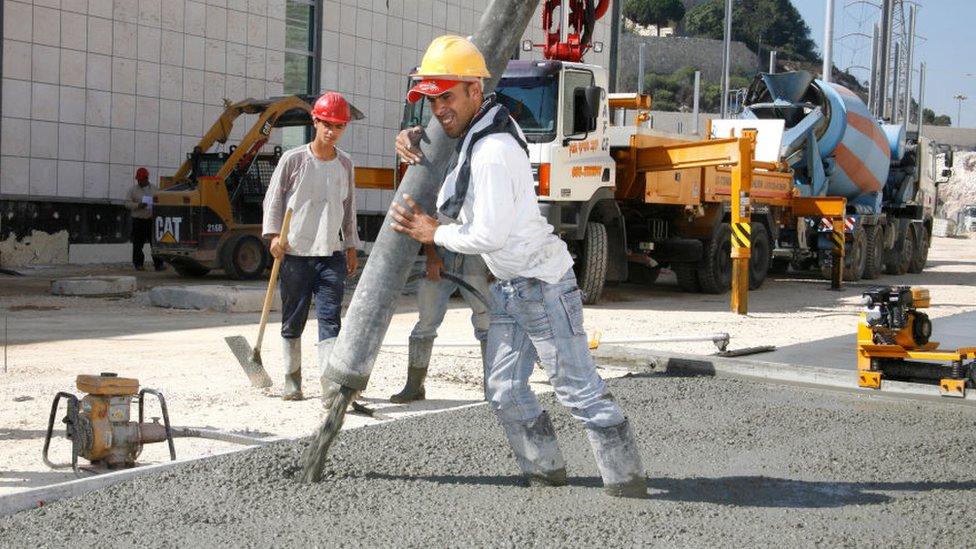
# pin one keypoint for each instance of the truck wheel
(715, 274)
(591, 262)
(190, 270)
(856, 254)
(642, 274)
(898, 259)
(244, 257)
(874, 256)
(760, 257)
(687, 275)
(921, 252)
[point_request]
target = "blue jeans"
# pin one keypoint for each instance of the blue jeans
(432, 297)
(533, 319)
(301, 278)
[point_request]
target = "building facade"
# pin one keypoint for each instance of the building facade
(93, 89)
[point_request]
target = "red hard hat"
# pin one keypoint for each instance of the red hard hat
(332, 107)
(142, 173)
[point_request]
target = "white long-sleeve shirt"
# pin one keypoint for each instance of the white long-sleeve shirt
(321, 194)
(500, 218)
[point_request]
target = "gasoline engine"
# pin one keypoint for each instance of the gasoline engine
(893, 340)
(98, 424)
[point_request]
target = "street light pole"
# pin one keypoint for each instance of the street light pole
(726, 58)
(960, 98)
(828, 46)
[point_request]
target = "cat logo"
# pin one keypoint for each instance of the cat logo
(168, 229)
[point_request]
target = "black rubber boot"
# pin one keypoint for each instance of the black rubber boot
(618, 460)
(418, 360)
(537, 451)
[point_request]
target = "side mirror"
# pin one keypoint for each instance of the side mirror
(948, 158)
(586, 108)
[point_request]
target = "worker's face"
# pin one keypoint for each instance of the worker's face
(328, 133)
(455, 108)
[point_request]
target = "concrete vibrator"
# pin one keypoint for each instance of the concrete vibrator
(98, 424)
(893, 341)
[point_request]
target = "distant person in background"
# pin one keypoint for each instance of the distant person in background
(139, 203)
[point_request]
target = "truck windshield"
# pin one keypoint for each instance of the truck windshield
(531, 100)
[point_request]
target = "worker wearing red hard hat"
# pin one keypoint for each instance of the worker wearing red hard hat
(315, 181)
(139, 202)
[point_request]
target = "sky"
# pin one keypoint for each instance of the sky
(949, 31)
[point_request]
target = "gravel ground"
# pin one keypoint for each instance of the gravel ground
(730, 463)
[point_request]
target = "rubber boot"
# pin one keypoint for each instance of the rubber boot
(537, 451)
(417, 362)
(293, 368)
(325, 351)
(618, 460)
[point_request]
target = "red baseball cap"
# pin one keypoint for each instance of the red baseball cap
(430, 87)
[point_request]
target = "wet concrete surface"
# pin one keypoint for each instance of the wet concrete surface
(730, 463)
(958, 330)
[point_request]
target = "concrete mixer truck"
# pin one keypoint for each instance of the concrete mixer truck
(836, 148)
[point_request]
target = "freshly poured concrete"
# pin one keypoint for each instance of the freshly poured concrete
(730, 463)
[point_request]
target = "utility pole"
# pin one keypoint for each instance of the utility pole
(772, 62)
(921, 96)
(694, 105)
(884, 47)
(640, 68)
(828, 62)
(726, 58)
(873, 89)
(960, 98)
(910, 58)
(894, 86)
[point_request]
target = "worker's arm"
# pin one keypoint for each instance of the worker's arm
(435, 263)
(350, 233)
(493, 203)
(275, 200)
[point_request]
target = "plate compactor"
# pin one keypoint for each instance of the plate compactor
(98, 425)
(893, 342)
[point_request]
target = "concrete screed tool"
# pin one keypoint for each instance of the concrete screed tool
(98, 425)
(893, 342)
(249, 359)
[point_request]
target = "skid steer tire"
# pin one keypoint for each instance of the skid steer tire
(687, 275)
(898, 259)
(244, 257)
(591, 262)
(715, 272)
(920, 254)
(874, 256)
(760, 256)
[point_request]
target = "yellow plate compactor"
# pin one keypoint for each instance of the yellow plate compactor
(893, 342)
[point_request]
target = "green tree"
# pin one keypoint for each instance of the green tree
(760, 24)
(654, 12)
(929, 117)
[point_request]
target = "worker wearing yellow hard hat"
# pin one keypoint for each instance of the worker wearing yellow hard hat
(487, 206)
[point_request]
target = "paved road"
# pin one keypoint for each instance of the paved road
(839, 352)
(730, 463)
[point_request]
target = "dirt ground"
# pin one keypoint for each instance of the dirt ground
(49, 340)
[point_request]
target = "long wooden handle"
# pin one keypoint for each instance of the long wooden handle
(269, 295)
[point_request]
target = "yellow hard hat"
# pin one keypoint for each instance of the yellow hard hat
(451, 56)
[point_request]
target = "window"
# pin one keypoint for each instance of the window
(571, 81)
(301, 61)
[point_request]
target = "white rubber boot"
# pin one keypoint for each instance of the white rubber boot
(292, 348)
